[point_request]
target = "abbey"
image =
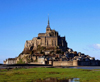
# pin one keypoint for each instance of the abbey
(49, 39)
(50, 48)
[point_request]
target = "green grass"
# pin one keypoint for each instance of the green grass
(32, 74)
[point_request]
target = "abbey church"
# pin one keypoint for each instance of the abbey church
(49, 39)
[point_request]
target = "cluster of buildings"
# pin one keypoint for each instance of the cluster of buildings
(10, 61)
(73, 55)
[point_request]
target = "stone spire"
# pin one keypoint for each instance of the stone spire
(48, 20)
(48, 26)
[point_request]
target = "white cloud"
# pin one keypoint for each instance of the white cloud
(96, 46)
(92, 47)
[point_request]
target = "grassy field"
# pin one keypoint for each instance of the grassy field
(32, 74)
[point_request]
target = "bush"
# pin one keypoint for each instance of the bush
(20, 62)
(28, 60)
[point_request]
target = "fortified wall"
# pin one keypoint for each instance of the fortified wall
(65, 63)
(76, 63)
(70, 63)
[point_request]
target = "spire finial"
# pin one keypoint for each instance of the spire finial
(48, 19)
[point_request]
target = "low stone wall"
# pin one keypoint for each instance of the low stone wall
(71, 63)
(76, 63)
(89, 63)
(62, 63)
(35, 63)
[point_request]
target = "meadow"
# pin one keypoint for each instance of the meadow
(32, 74)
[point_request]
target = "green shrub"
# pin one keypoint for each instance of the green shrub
(20, 62)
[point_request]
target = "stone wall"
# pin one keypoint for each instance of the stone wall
(76, 63)
(89, 63)
(35, 63)
(62, 63)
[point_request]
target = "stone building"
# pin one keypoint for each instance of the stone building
(10, 61)
(49, 39)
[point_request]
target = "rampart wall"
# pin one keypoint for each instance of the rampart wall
(35, 63)
(76, 63)
(89, 63)
(62, 63)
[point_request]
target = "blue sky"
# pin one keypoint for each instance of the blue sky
(21, 20)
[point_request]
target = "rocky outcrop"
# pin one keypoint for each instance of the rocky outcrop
(26, 58)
